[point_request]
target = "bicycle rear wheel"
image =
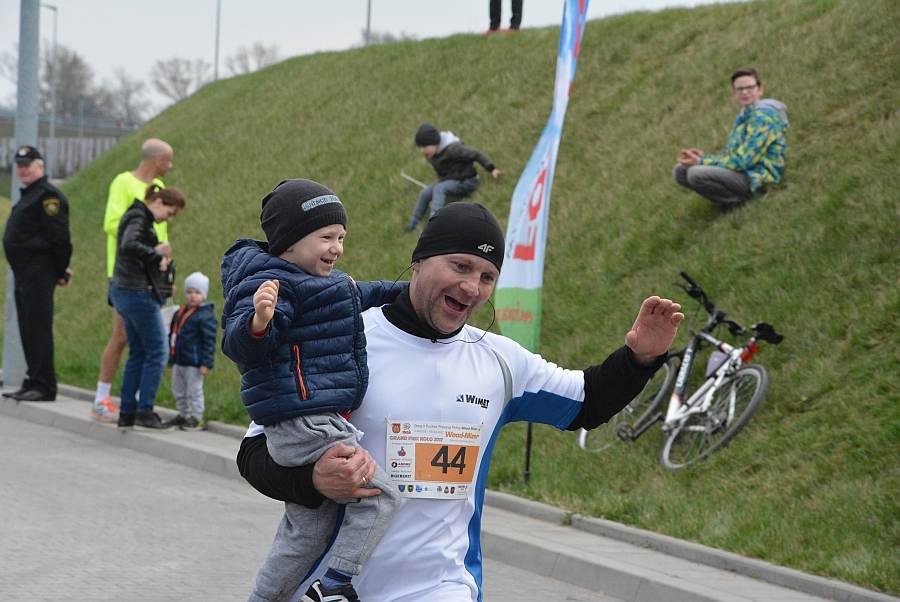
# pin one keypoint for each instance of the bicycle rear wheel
(647, 401)
(702, 434)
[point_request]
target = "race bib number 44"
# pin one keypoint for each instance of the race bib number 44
(432, 459)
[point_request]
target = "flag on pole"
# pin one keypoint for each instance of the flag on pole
(518, 297)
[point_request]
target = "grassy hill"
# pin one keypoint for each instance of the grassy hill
(813, 482)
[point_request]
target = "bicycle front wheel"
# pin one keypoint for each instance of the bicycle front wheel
(733, 403)
(647, 401)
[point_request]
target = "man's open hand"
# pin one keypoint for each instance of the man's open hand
(654, 328)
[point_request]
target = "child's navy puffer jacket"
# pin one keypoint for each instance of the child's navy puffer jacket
(192, 336)
(312, 358)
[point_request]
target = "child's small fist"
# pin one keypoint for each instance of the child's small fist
(264, 300)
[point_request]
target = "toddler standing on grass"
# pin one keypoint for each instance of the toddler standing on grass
(293, 327)
(192, 352)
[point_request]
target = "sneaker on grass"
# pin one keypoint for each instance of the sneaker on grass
(318, 593)
(150, 421)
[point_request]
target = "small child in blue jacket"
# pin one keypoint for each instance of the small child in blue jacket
(293, 327)
(192, 352)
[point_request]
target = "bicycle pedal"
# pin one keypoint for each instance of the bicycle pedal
(625, 432)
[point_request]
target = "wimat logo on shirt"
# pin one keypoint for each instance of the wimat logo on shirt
(486, 248)
(320, 200)
(479, 401)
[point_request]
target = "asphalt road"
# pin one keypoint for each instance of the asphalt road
(83, 520)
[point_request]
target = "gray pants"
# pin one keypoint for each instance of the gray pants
(303, 534)
(437, 193)
(726, 188)
(187, 388)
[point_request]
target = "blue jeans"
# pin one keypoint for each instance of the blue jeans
(147, 353)
(436, 194)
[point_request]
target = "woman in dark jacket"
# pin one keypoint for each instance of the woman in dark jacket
(141, 263)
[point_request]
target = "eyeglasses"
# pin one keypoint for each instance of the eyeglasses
(742, 89)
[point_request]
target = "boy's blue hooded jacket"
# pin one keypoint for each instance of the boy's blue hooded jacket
(192, 334)
(312, 357)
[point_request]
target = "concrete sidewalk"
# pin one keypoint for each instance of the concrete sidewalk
(623, 562)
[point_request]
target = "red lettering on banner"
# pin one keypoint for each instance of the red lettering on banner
(514, 314)
(579, 29)
(526, 252)
(577, 48)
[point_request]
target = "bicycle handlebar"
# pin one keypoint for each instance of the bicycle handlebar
(689, 279)
(763, 330)
(698, 293)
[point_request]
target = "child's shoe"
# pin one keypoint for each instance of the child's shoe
(318, 593)
(177, 421)
(191, 423)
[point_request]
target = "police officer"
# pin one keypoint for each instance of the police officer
(38, 248)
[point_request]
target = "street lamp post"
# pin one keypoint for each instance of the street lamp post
(369, 22)
(218, 19)
(54, 71)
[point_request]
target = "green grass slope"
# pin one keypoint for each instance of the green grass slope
(813, 482)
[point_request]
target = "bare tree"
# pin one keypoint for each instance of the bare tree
(9, 64)
(128, 100)
(9, 70)
(248, 60)
(74, 85)
(178, 78)
(76, 93)
(386, 37)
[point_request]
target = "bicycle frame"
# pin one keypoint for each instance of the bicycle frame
(680, 409)
(645, 410)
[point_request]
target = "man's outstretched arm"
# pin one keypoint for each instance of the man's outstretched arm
(610, 386)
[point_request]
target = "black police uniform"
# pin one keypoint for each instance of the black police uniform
(38, 248)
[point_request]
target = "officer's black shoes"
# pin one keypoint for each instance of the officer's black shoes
(150, 421)
(12, 394)
(126, 421)
(33, 395)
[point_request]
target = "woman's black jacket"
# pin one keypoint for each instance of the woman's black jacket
(136, 259)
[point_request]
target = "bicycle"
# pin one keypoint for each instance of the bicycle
(711, 416)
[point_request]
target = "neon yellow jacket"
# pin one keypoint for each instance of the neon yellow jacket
(123, 190)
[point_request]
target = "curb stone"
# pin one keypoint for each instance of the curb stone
(750, 567)
(563, 566)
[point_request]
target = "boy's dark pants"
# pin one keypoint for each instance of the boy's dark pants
(437, 193)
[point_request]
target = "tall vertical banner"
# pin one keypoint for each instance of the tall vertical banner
(518, 297)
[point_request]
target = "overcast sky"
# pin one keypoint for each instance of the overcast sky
(133, 34)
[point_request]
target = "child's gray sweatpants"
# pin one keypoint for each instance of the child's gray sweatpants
(303, 533)
(187, 388)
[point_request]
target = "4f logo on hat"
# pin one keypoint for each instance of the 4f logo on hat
(485, 248)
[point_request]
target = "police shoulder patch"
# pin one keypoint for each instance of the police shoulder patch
(51, 206)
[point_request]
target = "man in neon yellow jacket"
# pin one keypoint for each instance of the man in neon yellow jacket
(754, 154)
(156, 161)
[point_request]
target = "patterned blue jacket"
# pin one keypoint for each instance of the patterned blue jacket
(312, 358)
(756, 145)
